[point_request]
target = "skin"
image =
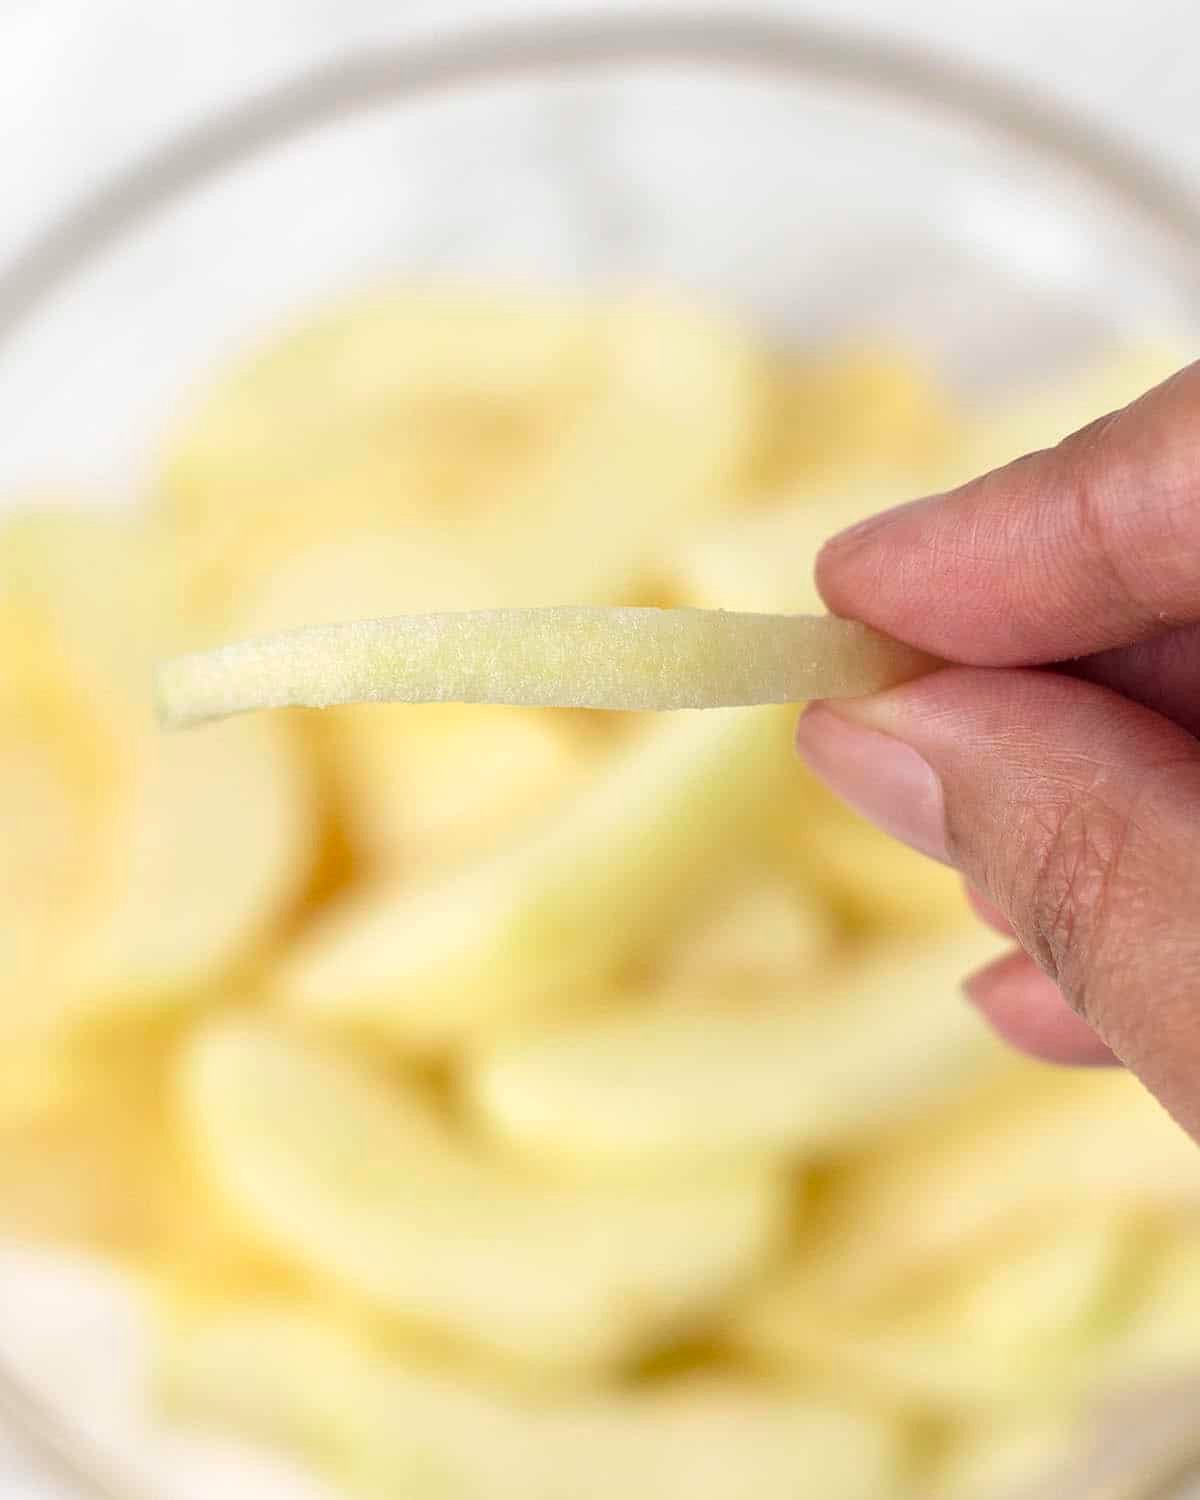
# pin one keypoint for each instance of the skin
(1056, 763)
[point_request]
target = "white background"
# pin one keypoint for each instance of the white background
(86, 84)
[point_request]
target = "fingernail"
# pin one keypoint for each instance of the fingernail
(878, 775)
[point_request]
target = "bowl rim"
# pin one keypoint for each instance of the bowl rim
(358, 81)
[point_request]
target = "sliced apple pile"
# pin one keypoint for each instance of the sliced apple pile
(662, 444)
(871, 885)
(413, 789)
(1015, 1328)
(1031, 1146)
(387, 1428)
(821, 1066)
(363, 1185)
(398, 408)
(502, 1088)
(842, 416)
(558, 443)
(1001, 1456)
(1051, 410)
(760, 935)
(1161, 1331)
(541, 927)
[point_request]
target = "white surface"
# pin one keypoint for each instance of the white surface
(83, 87)
(77, 1333)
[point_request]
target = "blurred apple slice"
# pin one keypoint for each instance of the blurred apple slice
(425, 788)
(765, 560)
(1035, 1146)
(210, 851)
(662, 442)
(994, 1458)
(556, 442)
(364, 1187)
(873, 884)
(817, 1069)
(182, 857)
(397, 407)
(762, 935)
(543, 926)
(387, 1427)
(849, 412)
(52, 803)
(1041, 417)
(1007, 1330)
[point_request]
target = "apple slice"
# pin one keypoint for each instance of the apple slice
(556, 920)
(1005, 1330)
(841, 1055)
(507, 423)
(362, 1186)
(209, 851)
(762, 934)
(182, 858)
(872, 883)
(1161, 1329)
(53, 760)
(558, 657)
(389, 1427)
(396, 407)
(765, 560)
(844, 413)
(1044, 413)
(1035, 1147)
(1005, 1456)
(661, 443)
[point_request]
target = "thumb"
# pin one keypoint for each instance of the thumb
(1076, 812)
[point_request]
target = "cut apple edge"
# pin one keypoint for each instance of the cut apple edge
(565, 656)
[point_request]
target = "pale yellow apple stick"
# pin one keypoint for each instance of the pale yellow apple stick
(560, 657)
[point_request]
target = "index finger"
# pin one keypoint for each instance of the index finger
(1092, 544)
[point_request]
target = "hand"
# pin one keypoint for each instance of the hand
(1057, 764)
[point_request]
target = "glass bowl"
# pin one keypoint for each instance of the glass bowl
(818, 184)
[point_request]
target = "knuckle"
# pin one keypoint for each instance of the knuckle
(1072, 876)
(1094, 525)
(1125, 536)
